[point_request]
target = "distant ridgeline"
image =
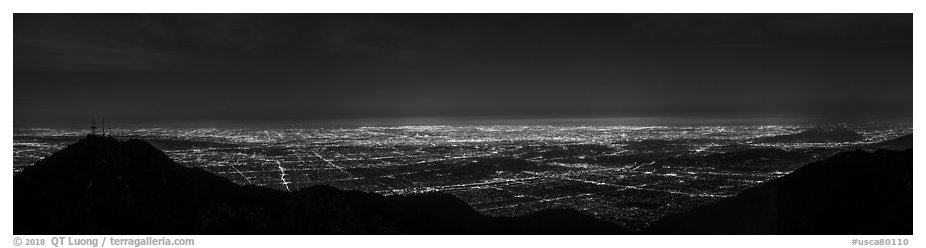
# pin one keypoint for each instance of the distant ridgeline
(102, 185)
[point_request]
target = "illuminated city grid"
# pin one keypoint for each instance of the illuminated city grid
(629, 175)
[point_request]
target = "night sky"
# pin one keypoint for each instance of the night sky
(227, 69)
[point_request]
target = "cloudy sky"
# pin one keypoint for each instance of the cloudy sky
(161, 69)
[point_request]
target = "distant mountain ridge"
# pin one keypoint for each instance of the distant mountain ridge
(102, 185)
(816, 135)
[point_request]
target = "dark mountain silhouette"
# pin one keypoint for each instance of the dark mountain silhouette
(102, 185)
(748, 159)
(815, 135)
(853, 192)
(898, 144)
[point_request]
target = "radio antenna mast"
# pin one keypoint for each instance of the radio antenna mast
(92, 126)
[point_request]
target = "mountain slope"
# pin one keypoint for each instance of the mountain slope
(102, 185)
(898, 144)
(852, 192)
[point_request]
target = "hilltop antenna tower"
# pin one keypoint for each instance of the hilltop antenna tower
(92, 126)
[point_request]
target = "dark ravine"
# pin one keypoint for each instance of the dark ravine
(102, 185)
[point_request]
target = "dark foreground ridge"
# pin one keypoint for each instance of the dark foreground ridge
(898, 144)
(852, 192)
(101, 185)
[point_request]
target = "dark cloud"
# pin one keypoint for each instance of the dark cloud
(147, 68)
